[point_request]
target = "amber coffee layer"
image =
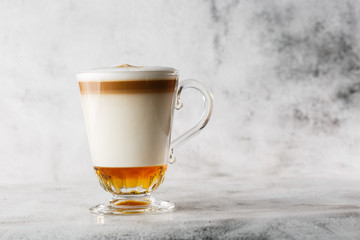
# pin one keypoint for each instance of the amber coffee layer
(132, 180)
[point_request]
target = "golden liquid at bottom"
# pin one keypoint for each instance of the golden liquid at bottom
(133, 180)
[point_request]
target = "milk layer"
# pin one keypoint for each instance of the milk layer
(128, 130)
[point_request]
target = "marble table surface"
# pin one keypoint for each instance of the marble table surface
(222, 208)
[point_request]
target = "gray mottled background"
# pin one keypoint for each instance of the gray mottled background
(284, 74)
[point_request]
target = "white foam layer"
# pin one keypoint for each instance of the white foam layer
(127, 72)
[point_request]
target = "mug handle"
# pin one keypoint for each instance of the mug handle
(209, 102)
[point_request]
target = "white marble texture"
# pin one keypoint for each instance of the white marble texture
(223, 208)
(284, 75)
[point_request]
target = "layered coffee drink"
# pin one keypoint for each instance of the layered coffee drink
(128, 113)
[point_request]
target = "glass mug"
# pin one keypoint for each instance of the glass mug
(128, 113)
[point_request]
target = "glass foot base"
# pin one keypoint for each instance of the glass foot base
(132, 204)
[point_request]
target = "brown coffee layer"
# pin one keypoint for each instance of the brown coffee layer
(123, 87)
